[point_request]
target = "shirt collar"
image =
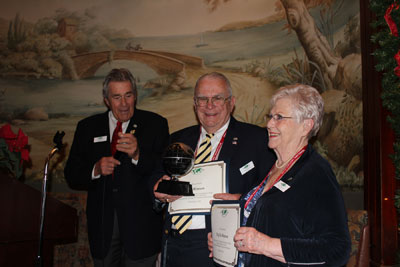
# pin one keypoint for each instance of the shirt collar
(219, 132)
(113, 122)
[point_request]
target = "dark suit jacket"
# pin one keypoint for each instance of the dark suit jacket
(309, 217)
(129, 193)
(243, 143)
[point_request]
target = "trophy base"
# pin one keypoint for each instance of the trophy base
(178, 188)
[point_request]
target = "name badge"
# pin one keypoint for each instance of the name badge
(282, 186)
(246, 167)
(100, 139)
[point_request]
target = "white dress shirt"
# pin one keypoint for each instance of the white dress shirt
(199, 221)
(112, 124)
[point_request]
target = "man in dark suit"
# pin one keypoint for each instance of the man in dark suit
(123, 228)
(242, 146)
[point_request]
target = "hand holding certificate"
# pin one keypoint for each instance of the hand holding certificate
(225, 220)
(206, 179)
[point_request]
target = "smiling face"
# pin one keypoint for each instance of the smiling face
(121, 100)
(286, 136)
(212, 117)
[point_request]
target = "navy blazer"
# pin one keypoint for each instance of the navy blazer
(130, 193)
(243, 143)
(310, 217)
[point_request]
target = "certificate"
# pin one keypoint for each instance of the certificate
(225, 220)
(206, 179)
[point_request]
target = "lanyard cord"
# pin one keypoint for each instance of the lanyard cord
(221, 142)
(294, 158)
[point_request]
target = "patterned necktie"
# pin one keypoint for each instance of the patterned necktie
(204, 151)
(182, 222)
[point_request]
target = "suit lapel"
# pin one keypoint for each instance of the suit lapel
(231, 142)
(191, 138)
(103, 129)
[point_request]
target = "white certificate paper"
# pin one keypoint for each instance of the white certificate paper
(225, 220)
(206, 179)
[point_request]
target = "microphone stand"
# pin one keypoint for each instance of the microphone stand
(58, 141)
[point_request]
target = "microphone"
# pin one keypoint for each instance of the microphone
(57, 139)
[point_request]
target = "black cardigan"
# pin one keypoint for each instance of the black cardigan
(310, 217)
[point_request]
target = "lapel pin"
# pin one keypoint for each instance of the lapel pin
(134, 129)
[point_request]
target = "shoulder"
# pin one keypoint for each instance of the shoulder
(317, 169)
(94, 119)
(191, 130)
(144, 114)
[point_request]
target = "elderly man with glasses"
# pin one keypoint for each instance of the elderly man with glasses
(242, 146)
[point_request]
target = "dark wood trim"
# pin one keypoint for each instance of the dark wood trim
(379, 172)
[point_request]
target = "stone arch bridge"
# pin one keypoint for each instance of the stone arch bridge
(86, 65)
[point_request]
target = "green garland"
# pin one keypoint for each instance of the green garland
(388, 47)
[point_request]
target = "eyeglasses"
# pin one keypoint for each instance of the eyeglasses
(217, 100)
(277, 117)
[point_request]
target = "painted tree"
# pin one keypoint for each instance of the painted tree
(16, 32)
(313, 41)
(342, 78)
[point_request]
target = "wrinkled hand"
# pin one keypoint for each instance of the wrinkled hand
(161, 196)
(128, 144)
(226, 196)
(210, 244)
(248, 239)
(105, 166)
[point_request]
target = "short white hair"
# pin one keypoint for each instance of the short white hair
(307, 104)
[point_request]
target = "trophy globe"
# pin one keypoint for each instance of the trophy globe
(178, 160)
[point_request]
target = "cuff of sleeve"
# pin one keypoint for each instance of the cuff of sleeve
(93, 176)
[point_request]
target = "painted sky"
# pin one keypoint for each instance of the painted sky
(146, 17)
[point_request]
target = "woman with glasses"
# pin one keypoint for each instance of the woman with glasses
(296, 215)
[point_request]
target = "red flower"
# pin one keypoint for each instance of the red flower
(16, 143)
(20, 145)
(8, 135)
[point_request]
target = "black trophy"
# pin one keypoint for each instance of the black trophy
(178, 160)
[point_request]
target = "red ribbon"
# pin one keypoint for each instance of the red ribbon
(397, 69)
(393, 30)
(389, 20)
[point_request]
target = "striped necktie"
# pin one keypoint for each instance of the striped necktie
(204, 151)
(182, 222)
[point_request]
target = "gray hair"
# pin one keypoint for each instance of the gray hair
(307, 104)
(215, 75)
(119, 75)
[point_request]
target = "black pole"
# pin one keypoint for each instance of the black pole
(58, 141)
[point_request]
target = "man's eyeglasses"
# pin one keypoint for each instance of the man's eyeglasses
(217, 100)
(277, 117)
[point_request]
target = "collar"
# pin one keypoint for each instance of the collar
(113, 123)
(218, 133)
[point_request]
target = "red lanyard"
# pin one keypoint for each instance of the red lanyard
(295, 157)
(221, 142)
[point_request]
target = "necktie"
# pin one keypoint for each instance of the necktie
(115, 138)
(204, 151)
(182, 222)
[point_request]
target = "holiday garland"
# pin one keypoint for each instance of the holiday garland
(387, 56)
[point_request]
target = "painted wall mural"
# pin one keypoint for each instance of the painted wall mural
(55, 54)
